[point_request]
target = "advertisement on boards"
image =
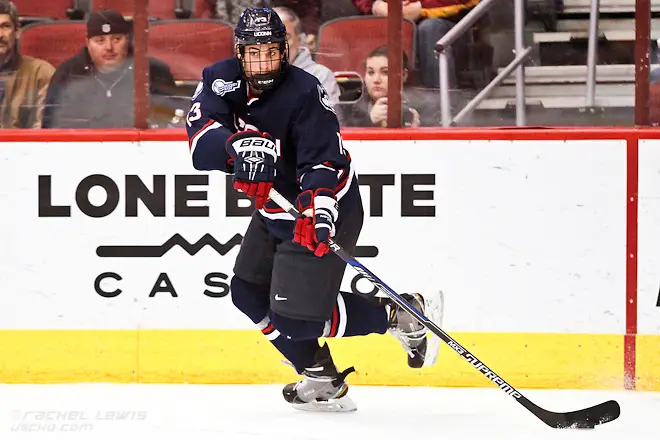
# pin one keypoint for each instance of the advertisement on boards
(648, 279)
(520, 235)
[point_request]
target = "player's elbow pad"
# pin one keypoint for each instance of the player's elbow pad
(210, 154)
(320, 177)
(208, 161)
(200, 162)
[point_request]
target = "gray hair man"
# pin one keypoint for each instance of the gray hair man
(301, 56)
(23, 79)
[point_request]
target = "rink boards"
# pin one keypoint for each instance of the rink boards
(117, 255)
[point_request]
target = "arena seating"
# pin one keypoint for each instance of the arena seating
(188, 46)
(53, 41)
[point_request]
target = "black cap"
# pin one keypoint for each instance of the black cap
(107, 22)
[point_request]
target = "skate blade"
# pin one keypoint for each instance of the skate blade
(434, 308)
(343, 404)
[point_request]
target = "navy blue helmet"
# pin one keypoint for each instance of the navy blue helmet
(261, 26)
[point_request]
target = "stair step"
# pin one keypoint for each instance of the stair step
(605, 6)
(557, 102)
(565, 90)
(609, 35)
(604, 24)
(565, 75)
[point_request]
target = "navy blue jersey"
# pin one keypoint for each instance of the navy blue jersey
(297, 113)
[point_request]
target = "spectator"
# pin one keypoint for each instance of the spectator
(337, 9)
(23, 79)
(301, 57)
(434, 19)
(371, 109)
(94, 88)
(309, 16)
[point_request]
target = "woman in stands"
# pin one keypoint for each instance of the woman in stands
(371, 109)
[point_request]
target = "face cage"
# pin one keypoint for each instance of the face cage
(268, 80)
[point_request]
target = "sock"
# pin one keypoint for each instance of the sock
(254, 301)
(297, 340)
(356, 315)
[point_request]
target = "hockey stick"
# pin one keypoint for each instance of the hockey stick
(584, 418)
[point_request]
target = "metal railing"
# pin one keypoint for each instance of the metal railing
(592, 53)
(444, 44)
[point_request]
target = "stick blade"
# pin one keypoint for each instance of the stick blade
(584, 418)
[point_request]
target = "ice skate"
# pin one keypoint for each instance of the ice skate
(422, 349)
(323, 387)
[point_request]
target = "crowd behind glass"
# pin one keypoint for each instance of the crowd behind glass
(94, 87)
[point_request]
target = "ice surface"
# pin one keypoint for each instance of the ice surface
(238, 412)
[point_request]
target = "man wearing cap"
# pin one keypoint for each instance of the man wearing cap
(23, 79)
(94, 88)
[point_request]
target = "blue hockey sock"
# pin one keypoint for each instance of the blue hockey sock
(297, 340)
(253, 300)
(356, 315)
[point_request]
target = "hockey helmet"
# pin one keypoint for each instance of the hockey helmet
(261, 26)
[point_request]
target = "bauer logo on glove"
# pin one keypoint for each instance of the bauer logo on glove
(255, 157)
(260, 143)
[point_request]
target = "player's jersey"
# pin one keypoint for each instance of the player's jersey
(296, 113)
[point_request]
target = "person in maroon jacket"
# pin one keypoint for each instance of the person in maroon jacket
(434, 19)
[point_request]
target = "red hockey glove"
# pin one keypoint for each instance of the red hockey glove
(317, 226)
(255, 155)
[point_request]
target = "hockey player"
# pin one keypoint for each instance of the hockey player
(270, 124)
